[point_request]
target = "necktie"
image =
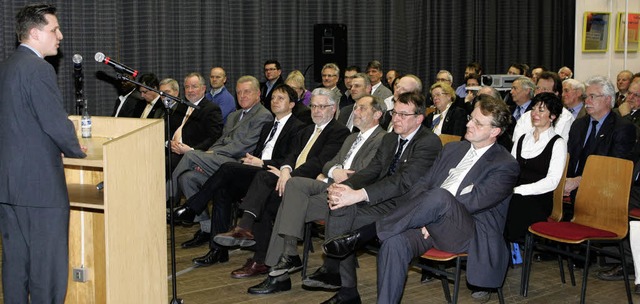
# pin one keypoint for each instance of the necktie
(455, 173)
(351, 150)
(146, 111)
(435, 123)
(177, 135)
(302, 158)
(620, 99)
(242, 114)
(396, 157)
(588, 147)
(517, 113)
(273, 132)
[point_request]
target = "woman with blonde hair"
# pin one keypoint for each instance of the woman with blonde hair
(295, 80)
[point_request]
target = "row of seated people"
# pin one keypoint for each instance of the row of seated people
(250, 217)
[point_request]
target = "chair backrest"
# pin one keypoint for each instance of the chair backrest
(558, 195)
(602, 200)
(447, 138)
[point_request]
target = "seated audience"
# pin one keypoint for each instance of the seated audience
(153, 108)
(219, 93)
(565, 73)
(295, 80)
(573, 97)
(460, 205)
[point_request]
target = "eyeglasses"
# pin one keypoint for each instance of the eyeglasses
(402, 115)
(594, 96)
(476, 122)
(329, 75)
(439, 94)
(442, 79)
(319, 107)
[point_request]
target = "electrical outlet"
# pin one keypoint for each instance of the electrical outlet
(80, 274)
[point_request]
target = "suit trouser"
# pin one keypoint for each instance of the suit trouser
(186, 179)
(34, 253)
(450, 226)
(304, 200)
(347, 219)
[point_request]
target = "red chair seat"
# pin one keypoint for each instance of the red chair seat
(439, 255)
(635, 213)
(570, 231)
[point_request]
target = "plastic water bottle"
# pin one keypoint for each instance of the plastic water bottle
(85, 123)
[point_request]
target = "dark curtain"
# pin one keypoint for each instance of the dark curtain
(173, 38)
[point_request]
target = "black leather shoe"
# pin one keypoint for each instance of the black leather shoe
(217, 255)
(183, 215)
(271, 285)
(322, 278)
(287, 264)
(342, 245)
(338, 298)
(199, 238)
(615, 273)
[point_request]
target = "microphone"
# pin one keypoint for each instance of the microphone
(100, 57)
(78, 76)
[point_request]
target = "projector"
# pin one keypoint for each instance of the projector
(498, 81)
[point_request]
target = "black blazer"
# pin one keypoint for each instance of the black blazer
(616, 138)
(133, 105)
(323, 150)
(455, 123)
(284, 143)
(203, 127)
(303, 113)
(266, 98)
(415, 162)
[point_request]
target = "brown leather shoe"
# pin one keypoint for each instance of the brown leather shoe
(250, 269)
(236, 237)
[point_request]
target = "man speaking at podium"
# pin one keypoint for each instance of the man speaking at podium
(34, 203)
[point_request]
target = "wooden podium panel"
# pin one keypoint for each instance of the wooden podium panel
(118, 233)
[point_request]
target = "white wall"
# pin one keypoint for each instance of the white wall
(611, 62)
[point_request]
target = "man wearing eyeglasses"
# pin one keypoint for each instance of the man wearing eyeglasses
(599, 133)
(330, 78)
(404, 156)
(272, 72)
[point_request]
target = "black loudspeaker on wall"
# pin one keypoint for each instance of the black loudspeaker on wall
(330, 46)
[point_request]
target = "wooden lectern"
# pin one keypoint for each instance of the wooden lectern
(119, 233)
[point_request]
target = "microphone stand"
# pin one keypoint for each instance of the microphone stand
(167, 106)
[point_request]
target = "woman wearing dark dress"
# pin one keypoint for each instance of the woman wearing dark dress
(541, 154)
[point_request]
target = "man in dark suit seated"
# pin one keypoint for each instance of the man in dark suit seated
(129, 102)
(154, 107)
(460, 205)
(231, 182)
(317, 144)
(305, 199)
(272, 72)
(194, 129)
(239, 136)
(402, 158)
(601, 132)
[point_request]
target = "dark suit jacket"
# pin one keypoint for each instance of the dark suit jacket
(157, 111)
(492, 179)
(203, 127)
(133, 105)
(455, 123)
(266, 98)
(284, 142)
(616, 138)
(303, 113)
(35, 130)
(364, 155)
(323, 150)
(415, 161)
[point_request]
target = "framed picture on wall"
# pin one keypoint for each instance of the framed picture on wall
(627, 26)
(595, 32)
